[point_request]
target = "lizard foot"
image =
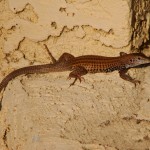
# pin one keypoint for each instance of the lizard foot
(136, 82)
(76, 78)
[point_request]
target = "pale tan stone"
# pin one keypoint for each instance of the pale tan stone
(41, 112)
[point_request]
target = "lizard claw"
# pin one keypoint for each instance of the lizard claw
(136, 82)
(82, 79)
(71, 84)
(78, 77)
(68, 78)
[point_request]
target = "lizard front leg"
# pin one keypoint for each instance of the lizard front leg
(77, 73)
(127, 77)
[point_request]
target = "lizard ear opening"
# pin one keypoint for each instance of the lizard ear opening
(123, 53)
(131, 60)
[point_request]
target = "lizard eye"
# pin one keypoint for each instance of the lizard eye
(139, 58)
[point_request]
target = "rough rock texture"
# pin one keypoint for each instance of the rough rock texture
(140, 23)
(40, 112)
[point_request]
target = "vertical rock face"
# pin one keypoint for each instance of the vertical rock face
(104, 112)
(140, 22)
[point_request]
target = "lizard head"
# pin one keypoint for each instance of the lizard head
(137, 59)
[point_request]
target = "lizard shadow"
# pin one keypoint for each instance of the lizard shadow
(142, 66)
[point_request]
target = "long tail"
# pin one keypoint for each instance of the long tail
(30, 70)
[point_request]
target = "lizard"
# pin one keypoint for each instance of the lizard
(82, 65)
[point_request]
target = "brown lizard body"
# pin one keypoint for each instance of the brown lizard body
(82, 65)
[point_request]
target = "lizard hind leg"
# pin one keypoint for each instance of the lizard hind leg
(77, 73)
(50, 54)
(123, 53)
(65, 57)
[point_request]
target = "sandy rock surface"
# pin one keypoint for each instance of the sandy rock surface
(40, 111)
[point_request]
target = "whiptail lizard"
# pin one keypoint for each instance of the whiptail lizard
(82, 65)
